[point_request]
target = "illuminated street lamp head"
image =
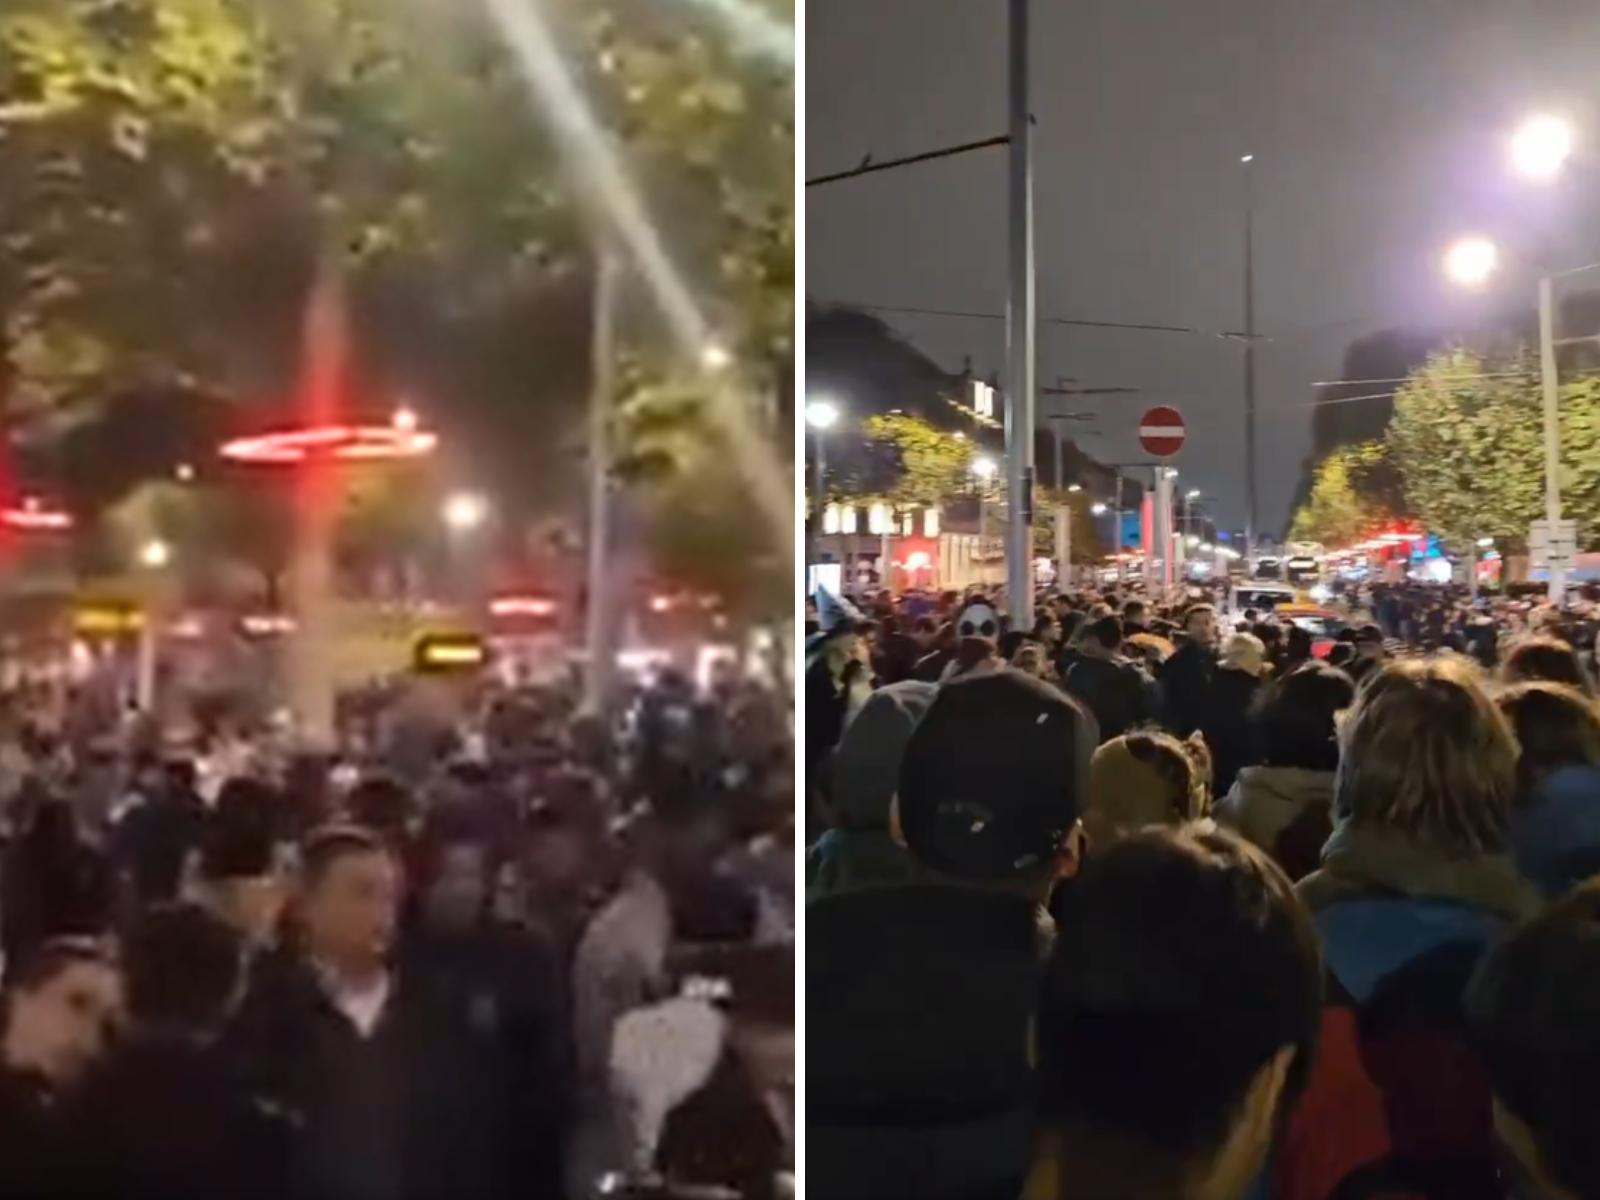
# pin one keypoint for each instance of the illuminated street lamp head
(715, 357)
(1541, 146)
(155, 554)
(1074, 487)
(822, 414)
(465, 511)
(1192, 494)
(405, 420)
(1098, 510)
(1472, 261)
(984, 468)
(1247, 159)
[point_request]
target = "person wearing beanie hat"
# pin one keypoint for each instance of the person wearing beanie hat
(920, 996)
(858, 850)
(1146, 778)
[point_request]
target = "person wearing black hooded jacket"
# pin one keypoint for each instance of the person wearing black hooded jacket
(1118, 693)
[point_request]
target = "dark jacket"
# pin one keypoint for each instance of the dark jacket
(1226, 726)
(1396, 1102)
(1556, 833)
(505, 987)
(166, 1117)
(1118, 693)
(918, 1083)
(931, 666)
(407, 1113)
(722, 1135)
(896, 658)
(1186, 680)
(32, 1142)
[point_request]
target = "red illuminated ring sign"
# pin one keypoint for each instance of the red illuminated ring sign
(33, 517)
(344, 443)
(1161, 431)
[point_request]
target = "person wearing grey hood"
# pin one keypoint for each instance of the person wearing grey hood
(1284, 803)
(859, 850)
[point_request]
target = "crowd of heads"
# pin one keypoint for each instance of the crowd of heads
(495, 892)
(1316, 923)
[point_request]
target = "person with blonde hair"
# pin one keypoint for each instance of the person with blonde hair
(1555, 824)
(1417, 880)
(1146, 778)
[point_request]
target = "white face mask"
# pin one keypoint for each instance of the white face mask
(978, 620)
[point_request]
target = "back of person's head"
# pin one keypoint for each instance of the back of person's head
(1178, 1015)
(383, 805)
(1244, 652)
(184, 968)
(1425, 753)
(243, 834)
(1106, 633)
(993, 779)
(1146, 778)
(1556, 727)
(1531, 1011)
(1297, 642)
(1548, 659)
(1296, 718)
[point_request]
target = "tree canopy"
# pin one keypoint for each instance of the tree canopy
(172, 170)
(1467, 438)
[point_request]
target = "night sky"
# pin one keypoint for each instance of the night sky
(1378, 129)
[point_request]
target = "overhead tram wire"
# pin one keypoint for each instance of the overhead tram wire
(1137, 326)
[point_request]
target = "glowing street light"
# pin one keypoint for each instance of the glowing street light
(984, 467)
(1471, 261)
(155, 554)
(1098, 510)
(1541, 146)
(464, 511)
(715, 357)
(405, 419)
(1074, 487)
(822, 414)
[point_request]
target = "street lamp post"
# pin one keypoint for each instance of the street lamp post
(1540, 149)
(154, 556)
(1021, 325)
(1247, 161)
(821, 416)
(1471, 262)
(463, 514)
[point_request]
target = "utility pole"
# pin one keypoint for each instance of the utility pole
(599, 639)
(1251, 508)
(1020, 328)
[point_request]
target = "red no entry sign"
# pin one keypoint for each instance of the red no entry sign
(1161, 431)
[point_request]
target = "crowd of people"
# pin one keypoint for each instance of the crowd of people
(524, 953)
(1149, 901)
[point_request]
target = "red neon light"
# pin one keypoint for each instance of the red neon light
(32, 518)
(522, 606)
(343, 443)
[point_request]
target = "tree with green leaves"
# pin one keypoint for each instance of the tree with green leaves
(1354, 490)
(156, 154)
(1468, 440)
